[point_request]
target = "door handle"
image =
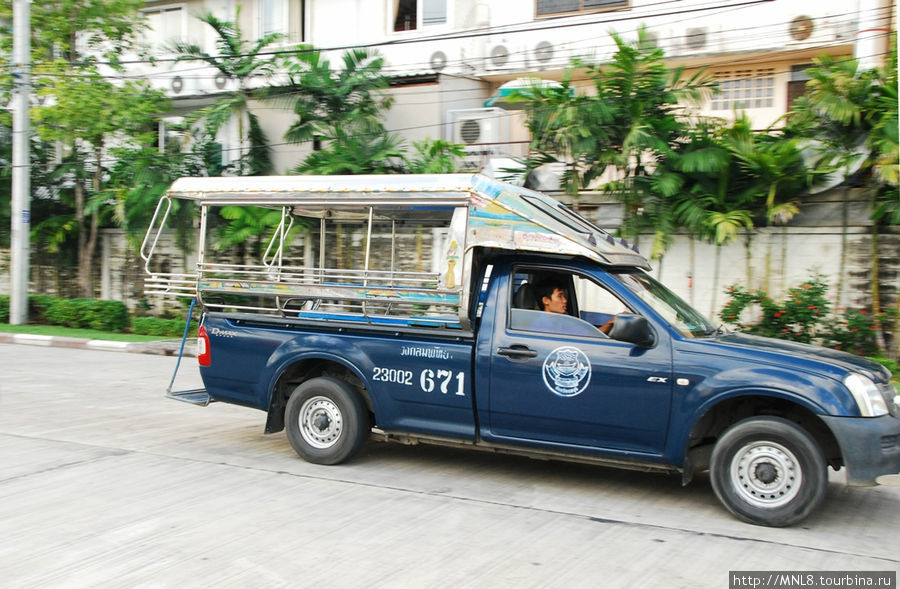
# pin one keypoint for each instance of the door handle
(517, 351)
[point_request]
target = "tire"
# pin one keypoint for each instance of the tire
(326, 421)
(768, 471)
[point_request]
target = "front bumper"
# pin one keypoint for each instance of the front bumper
(870, 446)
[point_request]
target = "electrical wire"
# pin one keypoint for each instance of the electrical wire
(775, 34)
(630, 17)
(241, 149)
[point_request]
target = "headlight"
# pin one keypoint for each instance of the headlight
(868, 397)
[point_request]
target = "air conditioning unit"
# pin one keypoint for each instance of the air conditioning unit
(483, 133)
(801, 28)
(651, 40)
(438, 60)
(543, 52)
(502, 57)
(695, 38)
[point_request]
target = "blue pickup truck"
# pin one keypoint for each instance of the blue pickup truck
(467, 355)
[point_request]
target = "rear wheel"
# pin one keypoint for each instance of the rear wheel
(326, 421)
(768, 471)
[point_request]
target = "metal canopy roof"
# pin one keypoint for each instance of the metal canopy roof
(499, 215)
(333, 191)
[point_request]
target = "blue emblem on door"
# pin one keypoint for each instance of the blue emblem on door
(567, 371)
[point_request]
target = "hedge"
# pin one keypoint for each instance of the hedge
(162, 327)
(95, 314)
(89, 314)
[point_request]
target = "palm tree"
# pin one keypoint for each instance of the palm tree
(434, 157)
(357, 151)
(564, 128)
(853, 114)
(324, 99)
(243, 62)
(712, 203)
(647, 125)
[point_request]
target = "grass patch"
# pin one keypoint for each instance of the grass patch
(56, 330)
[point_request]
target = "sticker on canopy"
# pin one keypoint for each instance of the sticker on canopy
(567, 371)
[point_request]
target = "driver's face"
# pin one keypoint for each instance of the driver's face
(556, 302)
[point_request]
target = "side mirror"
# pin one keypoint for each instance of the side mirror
(633, 329)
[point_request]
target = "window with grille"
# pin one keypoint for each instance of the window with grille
(410, 15)
(749, 88)
(284, 17)
(561, 7)
(165, 25)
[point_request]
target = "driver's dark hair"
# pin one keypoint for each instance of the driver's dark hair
(545, 288)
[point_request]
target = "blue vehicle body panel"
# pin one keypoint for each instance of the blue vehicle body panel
(415, 384)
(617, 409)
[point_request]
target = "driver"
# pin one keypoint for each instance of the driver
(551, 296)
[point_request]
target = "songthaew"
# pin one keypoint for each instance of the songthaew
(418, 309)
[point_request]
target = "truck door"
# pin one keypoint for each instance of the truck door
(557, 378)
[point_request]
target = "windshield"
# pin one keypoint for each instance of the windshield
(668, 305)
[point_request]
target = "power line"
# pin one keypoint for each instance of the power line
(241, 149)
(661, 40)
(483, 32)
(632, 17)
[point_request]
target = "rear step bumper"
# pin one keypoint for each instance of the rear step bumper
(194, 397)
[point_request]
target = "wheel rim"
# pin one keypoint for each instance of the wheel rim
(321, 422)
(766, 474)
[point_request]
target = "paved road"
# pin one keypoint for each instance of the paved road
(105, 483)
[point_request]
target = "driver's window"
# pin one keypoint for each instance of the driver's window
(596, 304)
(592, 304)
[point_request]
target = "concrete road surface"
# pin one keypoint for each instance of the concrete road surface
(105, 483)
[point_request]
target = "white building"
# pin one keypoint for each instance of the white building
(449, 57)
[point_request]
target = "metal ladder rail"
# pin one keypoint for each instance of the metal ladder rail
(146, 255)
(192, 396)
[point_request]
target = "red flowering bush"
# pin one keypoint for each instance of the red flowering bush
(797, 318)
(854, 331)
(805, 316)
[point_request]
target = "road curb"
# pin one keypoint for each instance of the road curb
(160, 347)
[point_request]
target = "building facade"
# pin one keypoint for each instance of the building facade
(449, 58)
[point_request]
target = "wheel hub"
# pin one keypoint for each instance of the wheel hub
(766, 474)
(321, 422)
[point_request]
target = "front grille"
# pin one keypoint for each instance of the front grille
(889, 443)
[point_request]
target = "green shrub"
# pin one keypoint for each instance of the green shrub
(854, 331)
(804, 316)
(88, 314)
(37, 307)
(161, 327)
(797, 318)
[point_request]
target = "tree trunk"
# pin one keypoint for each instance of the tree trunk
(839, 296)
(715, 286)
(691, 269)
(876, 289)
(748, 259)
(83, 273)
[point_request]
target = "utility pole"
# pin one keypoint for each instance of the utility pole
(21, 162)
(873, 37)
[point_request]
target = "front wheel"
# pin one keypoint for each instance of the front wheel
(326, 421)
(768, 471)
